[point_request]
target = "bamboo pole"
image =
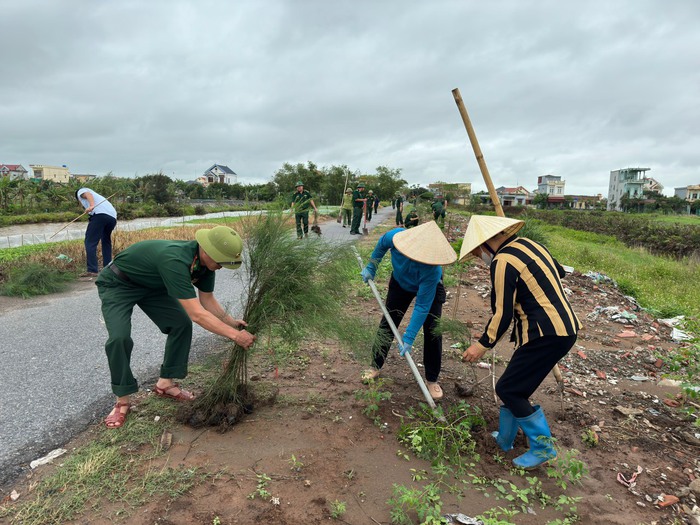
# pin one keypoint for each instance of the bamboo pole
(487, 179)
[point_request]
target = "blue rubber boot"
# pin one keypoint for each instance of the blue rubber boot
(537, 431)
(507, 429)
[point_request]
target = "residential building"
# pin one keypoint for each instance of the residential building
(218, 173)
(459, 191)
(552, 185)
(584, 202)
(652, 185)
(83, 178)
(515, 196)
(689, 193)
(627, 182)
(13, 171)
(59, 174)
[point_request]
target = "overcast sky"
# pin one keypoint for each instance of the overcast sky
(574, 89)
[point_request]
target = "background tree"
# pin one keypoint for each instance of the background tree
(541, 200)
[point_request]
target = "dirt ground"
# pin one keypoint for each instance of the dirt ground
(341, 455)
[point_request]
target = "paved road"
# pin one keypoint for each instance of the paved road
(54, 379)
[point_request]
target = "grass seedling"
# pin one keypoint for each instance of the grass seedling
(372, 396)
(295, 464)
(261, 489)
(424, 503)
(337, 509)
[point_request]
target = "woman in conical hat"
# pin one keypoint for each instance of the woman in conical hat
(417, 256)
(525, 287)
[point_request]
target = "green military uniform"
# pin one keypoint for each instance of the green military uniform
(301, 200)
(411, 219)
(439, 210)
(346, 208)
(370, 204)
(152, 275)
(399, 210)
(357, 205)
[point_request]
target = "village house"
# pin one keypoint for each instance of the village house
(14, 171)
(219, 174)
(459, 191)
(519, 196)
(627, 182)
(58, 174)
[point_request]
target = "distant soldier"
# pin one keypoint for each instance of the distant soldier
(399, 209)
(346, 208)
(358, 204)
(376, 203)
(439, 207)
(300, 205)
(411, 219)
(370, 205)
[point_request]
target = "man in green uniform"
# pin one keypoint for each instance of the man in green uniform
(370, 204)
(358, 203)
(439, 207)
(411, 219)
(300, 205)
(160, 278)
(399, 209)
(346, 208)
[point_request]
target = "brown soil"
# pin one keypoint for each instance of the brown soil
(316, 418)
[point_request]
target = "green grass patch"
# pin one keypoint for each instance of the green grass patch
(659, 284)
(8, 255)
(35, 279)
(118, 466)
(677, 219)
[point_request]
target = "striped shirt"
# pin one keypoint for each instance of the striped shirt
(526, 287)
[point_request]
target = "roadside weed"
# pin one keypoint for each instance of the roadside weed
(372, 396)
(337, 509)
(261, 489)
(424, 503)
(566, 469)
(295, 464)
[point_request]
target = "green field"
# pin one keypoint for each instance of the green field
(663, 285)
(693, 220)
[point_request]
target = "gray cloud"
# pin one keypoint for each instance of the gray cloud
(562, 88)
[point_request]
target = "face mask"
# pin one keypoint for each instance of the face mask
(486, 257)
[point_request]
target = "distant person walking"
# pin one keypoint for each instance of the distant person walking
(439, 207)
(376, 204)
(103, 219)
(301, 199)
(346, 208)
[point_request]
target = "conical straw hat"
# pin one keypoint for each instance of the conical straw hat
(481, 228)
(425, 244)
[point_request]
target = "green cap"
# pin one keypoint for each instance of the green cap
(360, 184)
(299, 183)
(222, 244)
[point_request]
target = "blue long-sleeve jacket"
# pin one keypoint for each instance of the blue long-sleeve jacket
(412, 276)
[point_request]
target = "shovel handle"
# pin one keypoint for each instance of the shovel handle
(397, 335)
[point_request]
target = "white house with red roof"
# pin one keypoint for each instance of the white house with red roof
(14, 171)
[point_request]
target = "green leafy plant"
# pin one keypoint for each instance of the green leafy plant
(372, 396)
(295, 464)
(261, 488)
(449, 443)
(566, 469)
(337, 509)
(424, 503)
(589, 438)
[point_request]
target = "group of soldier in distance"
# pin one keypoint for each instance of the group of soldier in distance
(359, 204)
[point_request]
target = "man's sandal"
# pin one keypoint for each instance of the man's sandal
(118, 418)
(182, 395)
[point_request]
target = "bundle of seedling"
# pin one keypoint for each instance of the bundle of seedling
(294, 291)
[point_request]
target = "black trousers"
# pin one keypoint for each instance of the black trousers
(397, 302)
(527, 369)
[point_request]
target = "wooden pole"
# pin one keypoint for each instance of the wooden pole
(487, 179)
(477, 152)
